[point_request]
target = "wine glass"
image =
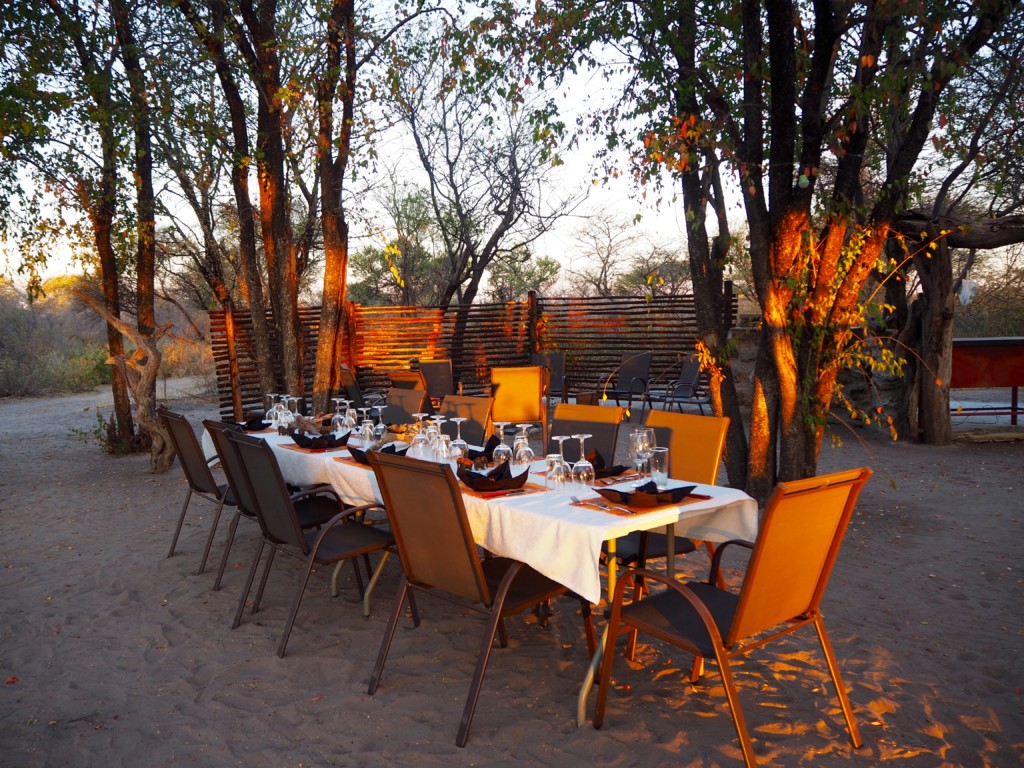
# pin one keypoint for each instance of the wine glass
(338, 419)
(381, 427)
(522, 452)
(419, 448)
(557, 473)
(271, 414)
(349, 422)
(458, 442)
(502, 453)
(639, 451)
(651, 442)
(582, 470)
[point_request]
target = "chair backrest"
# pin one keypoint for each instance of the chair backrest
(437, 374)
(799, 538)
(476, 409)
(273, 505)
(431, 529)
(190, 453)
(555, 363)
(230, 462)
(403, 403)
(519, 395)
(634, 370)
(407, 380)
(695, 443)
(350, 386)
(689, 378)
(598, 421)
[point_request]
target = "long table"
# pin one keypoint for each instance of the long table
(543, 529)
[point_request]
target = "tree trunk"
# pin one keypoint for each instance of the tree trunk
(935, 270)
(330, 351)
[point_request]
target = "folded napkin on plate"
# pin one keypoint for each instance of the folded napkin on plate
(255, 424)
(360, 455)
(498, 479)
(600, 470)
(320, 441)
(487, 452)
(647, 495)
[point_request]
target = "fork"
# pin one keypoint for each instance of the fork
(601, 505)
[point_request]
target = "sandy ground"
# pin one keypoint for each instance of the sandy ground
(113, 655)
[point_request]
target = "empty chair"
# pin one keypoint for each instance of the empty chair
(437, 375)
(311, 514)
(629, 381)
(601, 423)
(477, 411)
(695, 445)
(800, 535)
(407, 380)
(198, 476)
(439, 557)
(519, 396)
(351, 391)
(342, 537)
(403, 403)
(684, 389)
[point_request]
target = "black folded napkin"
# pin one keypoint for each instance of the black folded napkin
(600, 470)
(255, 424)
(360, 455)
(647, 495)
(320, 441)
(487, 452)
(498, 479)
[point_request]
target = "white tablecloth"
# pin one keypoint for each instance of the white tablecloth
(542, 529)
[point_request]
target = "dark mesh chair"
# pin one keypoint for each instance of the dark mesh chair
(437, 375)
(351, 391)
(343, 537)
(685, 389)
(311, 514)
(629, 381)
(439, 557)
(555, 363)
(478, 412)
(403, 403)
(198, 476)
(801, 531)
(601, 423)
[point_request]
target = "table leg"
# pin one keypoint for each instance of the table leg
(670, 550)
(588, 681)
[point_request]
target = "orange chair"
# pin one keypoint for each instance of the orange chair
(519, 396)
(801, 531)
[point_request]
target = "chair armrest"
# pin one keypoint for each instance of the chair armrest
(716, 560)
(315, 490)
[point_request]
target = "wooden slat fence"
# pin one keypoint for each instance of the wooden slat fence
(594, 333)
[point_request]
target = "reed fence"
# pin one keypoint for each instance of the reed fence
(593, 332)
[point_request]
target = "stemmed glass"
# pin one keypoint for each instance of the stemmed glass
(271, 415)
(651, 441)
(381, 427)
(284, 416)
(349, 421)
(458, 443)
(338, 419)
(502, 453)
(640, 451)
(582, 470)
(419, 448)
(522, 452)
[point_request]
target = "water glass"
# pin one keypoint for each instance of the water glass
(659, 467)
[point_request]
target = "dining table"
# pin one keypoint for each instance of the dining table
(566, 540)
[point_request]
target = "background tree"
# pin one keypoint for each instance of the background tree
(777, 90)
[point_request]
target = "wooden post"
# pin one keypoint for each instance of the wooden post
(533, 321)
(236, 387)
